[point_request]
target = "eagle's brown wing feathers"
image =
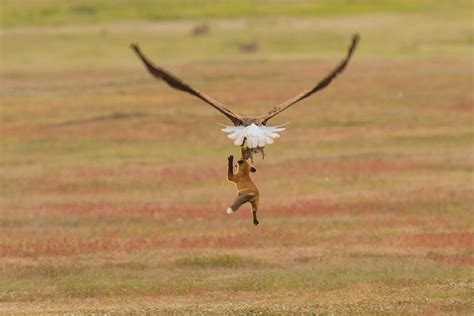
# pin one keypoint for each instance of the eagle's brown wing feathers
(321, 85)
(236, 119)
(180, 85)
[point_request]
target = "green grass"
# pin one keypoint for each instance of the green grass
(54, 12)
(104, 46)
(219, 262)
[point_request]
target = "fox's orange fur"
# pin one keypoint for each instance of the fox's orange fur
(246, 188)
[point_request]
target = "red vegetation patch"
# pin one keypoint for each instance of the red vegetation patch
(304, 207)
(319, 207)
(95, 208)
(394, 220)
(54, 246)
(188, 174)
(111, 209)
(62, 245)
(191, 174)
(467, 106)
(298, 167)
(455, 260)
(94, 172)
(97, 180)
(173, 173)
(437, 240)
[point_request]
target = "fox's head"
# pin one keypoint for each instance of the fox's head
(245, 167)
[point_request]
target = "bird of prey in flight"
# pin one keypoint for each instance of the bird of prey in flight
(250, 132)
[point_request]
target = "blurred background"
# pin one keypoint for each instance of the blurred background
(113, 185)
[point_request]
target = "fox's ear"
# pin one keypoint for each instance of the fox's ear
(252, 169)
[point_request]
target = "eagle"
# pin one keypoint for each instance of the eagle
(250, 132)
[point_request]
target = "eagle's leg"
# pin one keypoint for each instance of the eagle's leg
(246, 151)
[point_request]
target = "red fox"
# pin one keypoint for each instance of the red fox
(247, 190)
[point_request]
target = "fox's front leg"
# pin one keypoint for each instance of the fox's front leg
(230, 168)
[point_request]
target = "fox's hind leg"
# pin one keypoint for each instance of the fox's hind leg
(254, 204)
(239, 200)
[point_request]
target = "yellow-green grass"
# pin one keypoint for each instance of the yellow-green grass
(114, 190)
(57, 12)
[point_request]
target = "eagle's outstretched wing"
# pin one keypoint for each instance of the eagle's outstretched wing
(176, 83)
(321, 85)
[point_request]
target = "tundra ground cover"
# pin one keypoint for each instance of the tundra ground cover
(113, 189)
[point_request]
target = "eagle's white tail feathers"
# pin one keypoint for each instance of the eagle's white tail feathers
(256, 135)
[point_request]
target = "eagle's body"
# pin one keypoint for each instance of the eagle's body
(254, 135)
(253, 138)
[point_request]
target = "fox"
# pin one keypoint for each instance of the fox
(246, 188)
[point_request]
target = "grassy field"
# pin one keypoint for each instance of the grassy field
(114, 190)
(55, 12)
